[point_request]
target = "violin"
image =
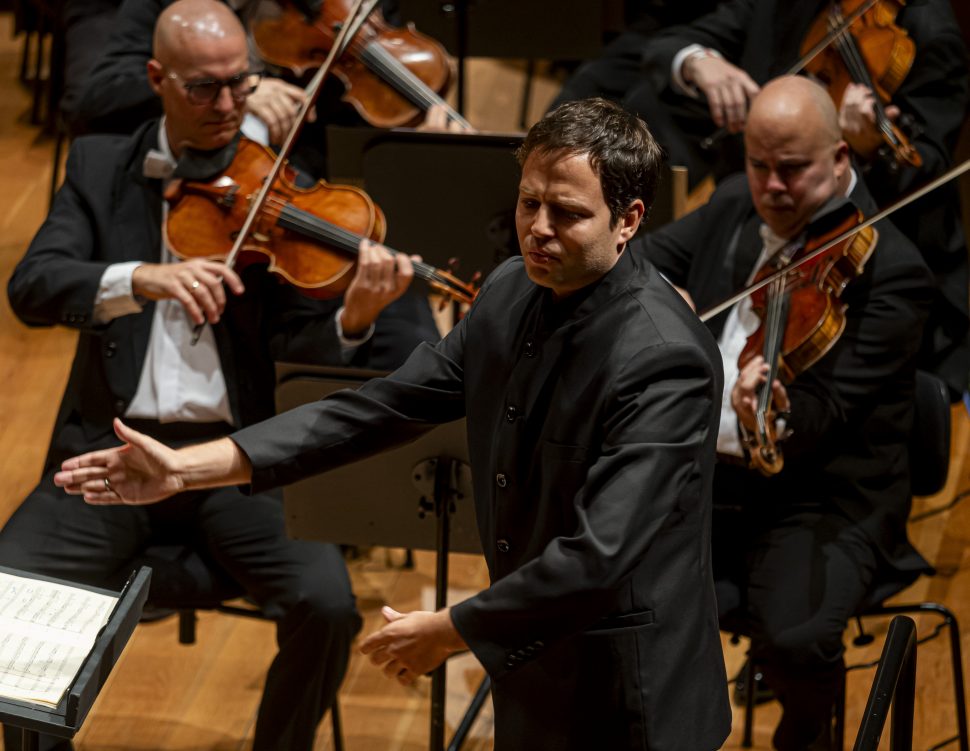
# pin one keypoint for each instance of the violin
(874, 51)
(308, 236)
(391, 76)
(801, 316)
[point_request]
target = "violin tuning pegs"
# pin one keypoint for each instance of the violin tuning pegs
(453, 264)
(476, 277)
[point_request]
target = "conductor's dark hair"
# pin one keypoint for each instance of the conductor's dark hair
(621, 150)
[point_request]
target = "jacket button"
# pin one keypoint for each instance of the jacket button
(511, 413)
(110, 348)
(119, 406)
(530, 347)
(501, 480)
(503, 546)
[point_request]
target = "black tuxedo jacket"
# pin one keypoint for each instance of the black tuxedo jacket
(851, 412)
(591, 428)
(107, 213)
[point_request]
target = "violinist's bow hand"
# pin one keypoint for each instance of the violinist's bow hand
(198, 284)
(727, 87)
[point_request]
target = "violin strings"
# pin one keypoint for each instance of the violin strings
(852, 57)
(405, 81)
(299, 220)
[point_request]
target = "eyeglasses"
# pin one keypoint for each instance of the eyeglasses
(207, 90)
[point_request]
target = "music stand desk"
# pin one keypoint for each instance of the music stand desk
(64, 720)
(444, 195)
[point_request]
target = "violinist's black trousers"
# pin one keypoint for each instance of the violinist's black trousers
(302, 585)
(791, 575)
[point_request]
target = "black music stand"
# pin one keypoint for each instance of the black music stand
(445, 195)
(415, 496)
(64, 720)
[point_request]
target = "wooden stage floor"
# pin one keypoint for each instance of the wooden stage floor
(167, 697)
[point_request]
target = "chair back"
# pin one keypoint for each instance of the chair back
(929, 443)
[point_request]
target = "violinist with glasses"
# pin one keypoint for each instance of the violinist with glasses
(812, 493)
(100, 265)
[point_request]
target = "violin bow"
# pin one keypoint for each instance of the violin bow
(834, 33)
(879, 216)
(359, 12)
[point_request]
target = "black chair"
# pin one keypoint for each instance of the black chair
(185, 581)
(929, 451)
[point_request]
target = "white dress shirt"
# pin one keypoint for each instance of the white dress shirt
(180, 382)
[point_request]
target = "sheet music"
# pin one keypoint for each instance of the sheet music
(46, 631)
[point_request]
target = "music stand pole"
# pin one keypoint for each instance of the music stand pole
(444, 490)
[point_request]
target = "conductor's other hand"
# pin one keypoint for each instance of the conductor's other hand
(197, 284)
(140, 472)
(728, 89)
(412, 644)
(381, 278)
(277, 103)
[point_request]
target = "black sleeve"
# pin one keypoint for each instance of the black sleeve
(725, 29)
(118, 98)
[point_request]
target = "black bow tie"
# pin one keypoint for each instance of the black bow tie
(194, 164)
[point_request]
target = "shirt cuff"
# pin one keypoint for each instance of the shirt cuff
(348, 342)
(115, 297)
(677, 67)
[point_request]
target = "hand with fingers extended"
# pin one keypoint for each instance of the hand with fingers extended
(857, 118)
(727, 87)
(139, 472)
(412, 644)
(381, 278)
(144, 471)
(196, 283)
(744, 396)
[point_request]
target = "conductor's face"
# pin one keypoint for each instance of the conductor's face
(563, 223)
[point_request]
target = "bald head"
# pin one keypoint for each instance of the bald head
(796, 159)
(186, 24)
(793, 104)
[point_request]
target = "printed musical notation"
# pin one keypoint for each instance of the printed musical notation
(46, 631)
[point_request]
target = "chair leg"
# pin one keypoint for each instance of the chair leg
(187, 619)
(338, 733)
(839, 729)
(959, 695)
(749, 679)
(38, 82)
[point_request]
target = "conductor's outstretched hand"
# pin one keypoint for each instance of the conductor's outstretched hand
(141, 471)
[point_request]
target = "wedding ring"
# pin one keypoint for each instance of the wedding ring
(107, 485)
(195, 284)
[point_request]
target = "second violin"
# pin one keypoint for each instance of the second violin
(392, 76)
